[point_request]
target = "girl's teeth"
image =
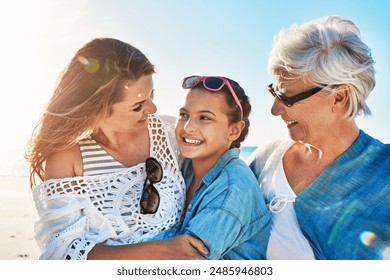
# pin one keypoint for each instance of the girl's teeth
(192, 141)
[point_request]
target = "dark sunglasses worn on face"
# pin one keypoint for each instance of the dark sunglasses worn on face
(150, 199)
(289, 101)
(212, 83)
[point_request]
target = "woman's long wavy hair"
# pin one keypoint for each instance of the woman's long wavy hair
(83, 96)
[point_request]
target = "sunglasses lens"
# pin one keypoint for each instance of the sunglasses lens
(277, 94)
(282, 97)
(153, 170)
(150, 200)
(213, 83)
(190, 82)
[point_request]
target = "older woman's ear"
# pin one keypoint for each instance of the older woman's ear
(341, 98)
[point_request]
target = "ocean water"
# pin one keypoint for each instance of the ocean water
(246, 151)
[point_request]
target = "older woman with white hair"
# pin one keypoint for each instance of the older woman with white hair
(328, 187)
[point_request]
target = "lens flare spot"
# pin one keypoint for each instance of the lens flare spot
(82, 60)
(386, 253)
(368, 238)
(91, 65)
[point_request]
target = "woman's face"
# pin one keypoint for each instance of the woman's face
(202, 129)
(131, 114)
(308, 120)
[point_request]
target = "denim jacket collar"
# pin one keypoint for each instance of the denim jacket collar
(221, 163)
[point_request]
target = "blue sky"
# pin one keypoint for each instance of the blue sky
(181, 37)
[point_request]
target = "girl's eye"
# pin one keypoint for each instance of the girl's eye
(205, 118)
(137, 109)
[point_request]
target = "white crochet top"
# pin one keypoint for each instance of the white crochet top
(77, 213)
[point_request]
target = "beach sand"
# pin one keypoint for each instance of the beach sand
(17, 220)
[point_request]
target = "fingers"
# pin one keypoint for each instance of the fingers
(197, 244)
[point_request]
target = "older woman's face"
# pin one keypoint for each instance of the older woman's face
(308, 120)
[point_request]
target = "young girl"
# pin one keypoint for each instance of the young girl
(224, 205)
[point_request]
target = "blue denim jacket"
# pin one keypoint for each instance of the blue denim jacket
(227, 211)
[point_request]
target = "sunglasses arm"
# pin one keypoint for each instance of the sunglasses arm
(235, 98)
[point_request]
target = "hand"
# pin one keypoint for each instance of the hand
(185, 247)
(196, 243)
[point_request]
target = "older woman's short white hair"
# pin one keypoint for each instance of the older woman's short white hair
(327, 51)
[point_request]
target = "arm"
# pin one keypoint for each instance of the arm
(219, 230)
(61, 234)
(61, 227)
(66, 163)
(178, 248)
(231, 217)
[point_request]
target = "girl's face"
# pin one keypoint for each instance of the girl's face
(132, 112)
(202, 129)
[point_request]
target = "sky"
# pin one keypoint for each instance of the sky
(181, 38)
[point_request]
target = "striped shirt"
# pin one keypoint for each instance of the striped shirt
(96, 160)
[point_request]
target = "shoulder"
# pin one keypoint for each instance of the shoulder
(65, 163)
(377, 145)
(166, 122)
(238, 172)
(259, 158)
(264, 151)
(368, 151)
(236, 165)
(229, 170)
(237, 180)
(241, 191)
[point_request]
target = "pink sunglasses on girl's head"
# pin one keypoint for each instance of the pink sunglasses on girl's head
(212, 83)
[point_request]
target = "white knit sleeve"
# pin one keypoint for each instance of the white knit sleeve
(61, 228)
(169, 124)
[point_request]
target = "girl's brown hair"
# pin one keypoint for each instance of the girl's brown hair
(235, 113)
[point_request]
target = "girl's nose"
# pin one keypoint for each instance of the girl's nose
(190, 126)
